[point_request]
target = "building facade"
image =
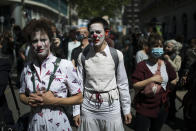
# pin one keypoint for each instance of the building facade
(19, 12)
(131, 18)
(176, 17)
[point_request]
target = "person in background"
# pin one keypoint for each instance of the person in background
(152, 76)
(82, 36)
(72, 44)
(106, 90)
(142, 54)
(6, 53)
(172, 50)
(128, 58)
(189, 100)
(189, 59)
(45, 82)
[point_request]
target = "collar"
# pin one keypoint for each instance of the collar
(106, 51)
(50, 58)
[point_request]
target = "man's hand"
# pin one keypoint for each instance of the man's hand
(77, 120)
(128, 118)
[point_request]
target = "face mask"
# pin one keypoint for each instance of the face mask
(80, 37)
(157, 52)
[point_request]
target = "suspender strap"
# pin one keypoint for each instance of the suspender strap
(33, 77)
(52, 76)
(158, 71)
(56, 65)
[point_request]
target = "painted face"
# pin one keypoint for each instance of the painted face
(169, 47)
(97, 33)
(41, 44)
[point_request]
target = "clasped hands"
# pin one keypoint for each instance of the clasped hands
(40, 98)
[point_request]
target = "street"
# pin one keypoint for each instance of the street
(176, 126)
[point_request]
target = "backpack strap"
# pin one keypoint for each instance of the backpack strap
(115, 58)
(83, 58)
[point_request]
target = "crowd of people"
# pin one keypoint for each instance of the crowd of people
(89, 73)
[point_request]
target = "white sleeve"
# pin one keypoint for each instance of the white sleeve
(22, 81)
(123, 86)
(76, 108)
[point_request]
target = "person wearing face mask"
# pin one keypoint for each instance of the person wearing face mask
(45, 82)
(105, 90)
(172, 50)
(151, 110)
(82, 36)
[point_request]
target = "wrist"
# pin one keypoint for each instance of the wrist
(27, 100)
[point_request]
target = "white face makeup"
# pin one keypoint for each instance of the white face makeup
(97, 33)
(41, 44)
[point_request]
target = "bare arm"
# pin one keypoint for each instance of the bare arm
(141, 84)
(24, 99)
(32, 100)
(49, 99)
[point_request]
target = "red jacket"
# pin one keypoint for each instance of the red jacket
(150, 106)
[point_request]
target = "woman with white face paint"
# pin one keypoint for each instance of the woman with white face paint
(101, 110)
(151, 110)
(45, 83)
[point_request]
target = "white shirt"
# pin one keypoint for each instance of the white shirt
(163, 71)
(140, 56)
(100, 76)
(51, 118)
(71, 46)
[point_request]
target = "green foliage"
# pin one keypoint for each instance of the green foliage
(93, 8)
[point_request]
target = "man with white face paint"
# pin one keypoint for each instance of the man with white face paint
(45, 83)
(105, 90)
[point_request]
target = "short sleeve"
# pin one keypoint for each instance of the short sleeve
(22, 81)
(72, 79)
(138, 74)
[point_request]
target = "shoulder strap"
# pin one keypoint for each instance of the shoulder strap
(159, 67)
(33, 76)
(84, 56)
(56, 65)
(115, 58)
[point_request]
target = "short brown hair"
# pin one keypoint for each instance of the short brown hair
(39, 25)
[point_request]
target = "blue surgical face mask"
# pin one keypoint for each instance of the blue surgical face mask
(157, 52)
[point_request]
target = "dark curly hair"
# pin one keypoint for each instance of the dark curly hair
(42, 24)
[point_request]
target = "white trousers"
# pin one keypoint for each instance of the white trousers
(101, 117)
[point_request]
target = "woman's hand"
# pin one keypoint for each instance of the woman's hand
(48, 98)
(156, 78)
(34, 100)
(166, 57)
